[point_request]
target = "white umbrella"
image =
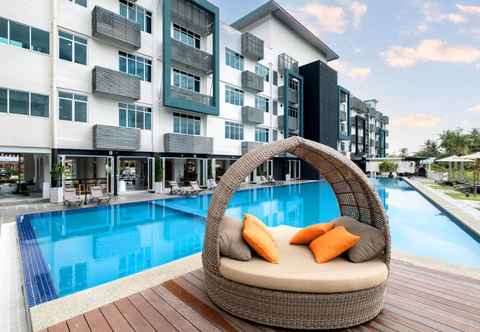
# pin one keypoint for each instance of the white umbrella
(455, 159)
(474, 157)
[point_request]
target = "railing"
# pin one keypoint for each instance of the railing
(179, 143)
(115, 138)
(114, 84)
(292, 123)
(287, 63)
(191, 57)
(252, 47)
(188, 14)
(249, 146)
(252, 115)
(190, 96)
(252, 82)
(292, 95)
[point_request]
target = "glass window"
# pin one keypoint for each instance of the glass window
(275, 135)
(80, 111)
(148, 120)
(72, 106)
(263, 71)
(186, 81)
(135, 66)
(186, 124)
(19, 35)
(233, 59)
(233, 96)
(131, 118)
(19, 101)
(233, 130)
(122, 117)
(72, 48)
(40, 41)
(65, 105)
(136, 14)
(3, 100)
(39, 105)
(261, 135)
(3, 31)
(135, 116)
(81, 3)
(186, 36)
(261, 103)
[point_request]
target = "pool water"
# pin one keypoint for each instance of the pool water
(88, 247)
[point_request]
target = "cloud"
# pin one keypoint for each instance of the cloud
(475, 109)
(331, 18)
(430, 50)
(417, 121)
(353, 72)
(432, 13)
(422, 27)
(359, 9)
(472, 10)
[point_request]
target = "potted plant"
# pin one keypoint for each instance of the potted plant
(56, 190)
(158, 184)
(387, 168)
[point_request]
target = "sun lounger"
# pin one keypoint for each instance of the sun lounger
(176, 190)
(98, 196)
(211, 184)
(70, 198)
(195, 187)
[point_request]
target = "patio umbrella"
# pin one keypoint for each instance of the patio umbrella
(474, 157)
(454, 160)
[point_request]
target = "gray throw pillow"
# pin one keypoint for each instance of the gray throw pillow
(372, 240)
(231, 240)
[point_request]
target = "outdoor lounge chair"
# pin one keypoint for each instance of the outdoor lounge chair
(297, 293)
(98, 196)
(176, 190)
(195, 187)
(211, 184)
(70, 198)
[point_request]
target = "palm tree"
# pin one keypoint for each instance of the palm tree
(403, 152)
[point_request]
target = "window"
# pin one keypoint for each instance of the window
(186, 36)
(135, 116)
(261, 103)
(72, 48)
(261, 135)
(22, 102)
(263, 71)
(21, 35)
(293, 112)
(233, 131)
(233, 96)
(186, 124)
(135, 66)
(72, 106)
(136, 14)
(82, 3)
(186, 81)
(293, 84)
(274, 135)
(233, 59)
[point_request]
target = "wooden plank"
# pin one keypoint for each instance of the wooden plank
(176, 319)
(60, 327)
(193, 317)
(407, 322)
(115, 319)
(96, 321)
(78, 324)
(133, 317)
(155, 319)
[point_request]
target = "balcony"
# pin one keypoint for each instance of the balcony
(115, 29)
(252, 82)
(386, 132)
(252, 47)
(385, 119)
(372, 128)
(116, 138)
(187, 14)
(191, 96)
(292, 123)
(343, 116)
(114, 84)
(178, 143)
(287, 63)
(191, 58)
(249, 146)
(252, 115)
(292, 95)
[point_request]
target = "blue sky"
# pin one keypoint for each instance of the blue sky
(419, 58)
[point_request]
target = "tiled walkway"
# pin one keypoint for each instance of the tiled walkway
(418, 299)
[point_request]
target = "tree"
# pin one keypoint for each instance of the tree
(387, 167)
(403, 152)
(430, 149)
(455, 142)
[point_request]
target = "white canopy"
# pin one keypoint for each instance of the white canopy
(456, 159)
(473, 156)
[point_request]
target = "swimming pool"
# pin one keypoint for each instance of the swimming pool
(65, 252)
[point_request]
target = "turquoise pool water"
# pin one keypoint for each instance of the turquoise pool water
(88, 247)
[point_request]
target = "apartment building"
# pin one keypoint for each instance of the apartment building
(118, 90)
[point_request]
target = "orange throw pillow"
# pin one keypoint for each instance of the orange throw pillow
(256, 234)
(332, 244)
(310, 233)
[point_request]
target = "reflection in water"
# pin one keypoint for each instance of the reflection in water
(87, 247)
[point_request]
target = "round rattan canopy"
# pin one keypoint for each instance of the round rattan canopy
(356, 198)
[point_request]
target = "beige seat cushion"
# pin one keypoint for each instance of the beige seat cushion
(297, 270)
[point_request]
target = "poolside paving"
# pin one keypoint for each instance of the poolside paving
(418, 299)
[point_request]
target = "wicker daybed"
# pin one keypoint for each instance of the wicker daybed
(299, 307)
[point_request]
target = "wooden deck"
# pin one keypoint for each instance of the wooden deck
(418, 299)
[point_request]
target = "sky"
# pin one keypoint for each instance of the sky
(419, 58)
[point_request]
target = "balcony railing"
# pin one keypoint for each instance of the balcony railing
(287, 63)
(114, 84)
(252, 47)
(115, 29)
(116, 138)
(249, 146)
(343, 116)
(292, 95)
(188, 14)
(252, 82)
(291, 122)
(190, 96)
(252, 115)
(191, 58)
(386, 119)
(178, 143)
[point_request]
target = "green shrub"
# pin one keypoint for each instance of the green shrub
(388, 167)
